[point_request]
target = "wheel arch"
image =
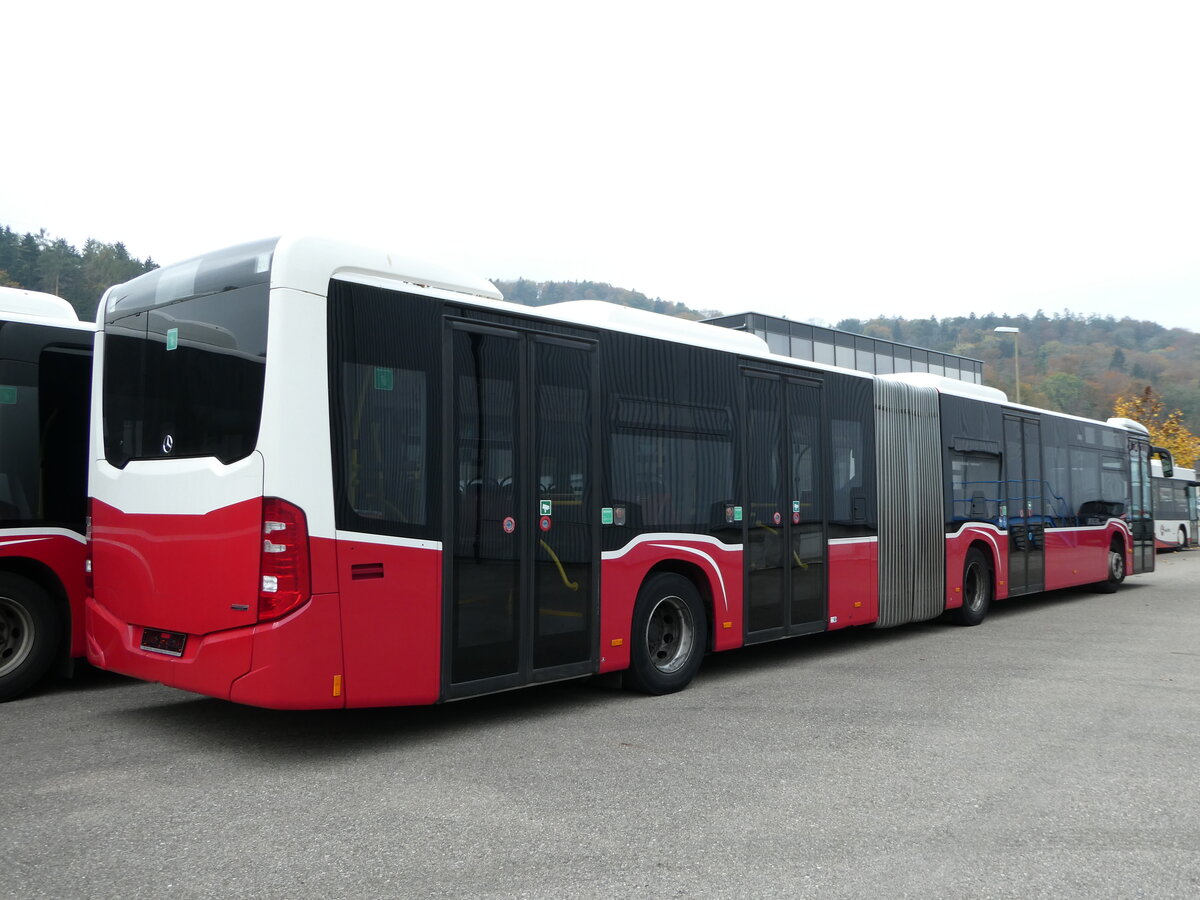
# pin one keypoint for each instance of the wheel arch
(990, 553)
(699, 579)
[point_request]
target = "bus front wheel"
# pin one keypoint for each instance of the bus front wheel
(670, 632)
(29, 634)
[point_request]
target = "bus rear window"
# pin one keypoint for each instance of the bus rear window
(186, 378)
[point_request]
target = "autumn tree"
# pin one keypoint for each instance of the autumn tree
(1166, 428)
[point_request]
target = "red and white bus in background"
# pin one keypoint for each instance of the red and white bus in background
(45, 385)
(1176, 518)
(327, 476)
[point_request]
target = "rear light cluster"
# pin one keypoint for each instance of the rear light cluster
(284, 566)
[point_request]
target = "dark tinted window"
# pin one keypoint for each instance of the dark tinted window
(44, 400)
(672, 464)
(384, 390)
(186, 378)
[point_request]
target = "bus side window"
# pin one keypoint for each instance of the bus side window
(975, 480)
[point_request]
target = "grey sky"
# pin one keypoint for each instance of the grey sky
(815, 160)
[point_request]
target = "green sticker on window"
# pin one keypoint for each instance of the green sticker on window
(384, 379)
(545, 508)
(172, 338)
(8, 395)
(737, 514)
(606, 516)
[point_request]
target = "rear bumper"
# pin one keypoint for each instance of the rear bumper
(294, 663)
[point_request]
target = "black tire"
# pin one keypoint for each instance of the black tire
(978, 588)
(1116, 570)
(670, 634)
(1182, 544)
(30, 634)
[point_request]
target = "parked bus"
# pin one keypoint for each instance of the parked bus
(326, 476)
(1176, 520)
(45, 385)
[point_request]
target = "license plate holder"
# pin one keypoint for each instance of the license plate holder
(170, 643)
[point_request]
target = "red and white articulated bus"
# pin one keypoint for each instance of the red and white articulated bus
(328, 476)
(45, 389)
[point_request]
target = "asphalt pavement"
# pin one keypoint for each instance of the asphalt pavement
(1053, 751)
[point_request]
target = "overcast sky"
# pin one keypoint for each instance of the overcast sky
(815, 160)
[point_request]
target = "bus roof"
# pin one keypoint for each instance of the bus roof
(35, 305)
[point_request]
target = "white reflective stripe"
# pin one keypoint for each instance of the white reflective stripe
(670, 536)
(41, 534)
(387, 539)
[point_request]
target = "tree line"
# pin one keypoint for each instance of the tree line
(38, 262)
(1070, 363)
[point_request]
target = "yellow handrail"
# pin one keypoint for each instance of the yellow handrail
(571, 585)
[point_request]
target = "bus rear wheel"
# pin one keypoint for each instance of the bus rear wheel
(1182, 544)
(29, 634)
(670, 632)
(977, 589)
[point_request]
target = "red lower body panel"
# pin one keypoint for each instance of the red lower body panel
(1077, 556)
(391, 612)
(853, 583)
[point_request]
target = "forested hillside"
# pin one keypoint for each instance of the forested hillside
(1073, 363)
(38, 262)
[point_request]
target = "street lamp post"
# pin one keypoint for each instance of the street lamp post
(1016, 333)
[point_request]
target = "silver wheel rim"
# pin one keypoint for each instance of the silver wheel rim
(16, 635)
(670, 633)
(974, 587)
(1116, 566)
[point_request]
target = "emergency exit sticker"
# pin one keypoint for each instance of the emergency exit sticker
(606, 515)
(172, 338)
(546, 508)
(8, 395)
(383, 379)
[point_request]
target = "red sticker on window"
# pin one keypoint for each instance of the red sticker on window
(510, 525)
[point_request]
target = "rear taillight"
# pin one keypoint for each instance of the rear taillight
(284, 566)
(87, 563)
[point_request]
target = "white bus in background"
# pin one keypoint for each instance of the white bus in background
(1176, 520)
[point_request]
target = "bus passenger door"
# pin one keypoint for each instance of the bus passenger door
(1141, 511)
(520, 544)
(1025, 506)
(784, 516)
